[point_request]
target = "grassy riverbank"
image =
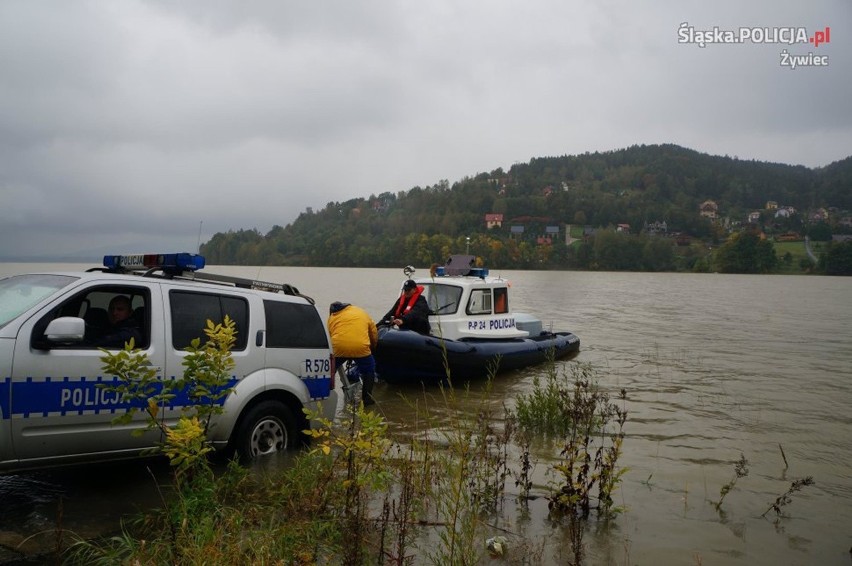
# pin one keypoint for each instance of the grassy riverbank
(357, 496)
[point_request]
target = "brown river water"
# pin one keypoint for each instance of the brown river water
(715, 367)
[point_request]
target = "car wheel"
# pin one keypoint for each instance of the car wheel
(267, 428)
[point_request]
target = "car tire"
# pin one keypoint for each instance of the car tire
(268, 427)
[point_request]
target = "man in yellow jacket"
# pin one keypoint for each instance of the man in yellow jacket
(353, 337)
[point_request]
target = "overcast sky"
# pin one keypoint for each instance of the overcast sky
(131, 126)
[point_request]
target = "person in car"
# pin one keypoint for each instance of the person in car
(410, 311)
(122, 326)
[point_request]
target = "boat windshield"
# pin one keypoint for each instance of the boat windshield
(19, 293)
(442, 299)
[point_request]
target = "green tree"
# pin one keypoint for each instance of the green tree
(617, 251)
(581, 255)
(746, 252)
(599, 189)
(838, 258)
(658, 254)
(820, 232)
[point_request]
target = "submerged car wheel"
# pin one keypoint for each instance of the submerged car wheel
(268, 427)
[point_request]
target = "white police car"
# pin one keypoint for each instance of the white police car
(52, 410)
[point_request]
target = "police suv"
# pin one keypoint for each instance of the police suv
(54, 408)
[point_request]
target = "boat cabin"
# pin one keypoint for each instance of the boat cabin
(466, 303)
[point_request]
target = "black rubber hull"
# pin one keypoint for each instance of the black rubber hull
(404, 356)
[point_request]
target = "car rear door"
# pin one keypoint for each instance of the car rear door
(190, 307)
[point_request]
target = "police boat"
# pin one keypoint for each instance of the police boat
(474, 331)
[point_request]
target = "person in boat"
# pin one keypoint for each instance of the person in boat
(410, 311)
(122, 326)
(354, 337)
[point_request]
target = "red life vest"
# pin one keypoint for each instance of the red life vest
(401, 306)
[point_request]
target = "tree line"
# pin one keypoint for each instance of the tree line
(596, 191)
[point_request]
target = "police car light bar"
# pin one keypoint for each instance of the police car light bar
(171, 263)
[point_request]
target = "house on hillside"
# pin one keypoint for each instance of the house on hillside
(771, 205)
(754, 217)
(819, 215)
(785, 212)
(623, 228)
(493, 221)
(709, 209)
(655, 228)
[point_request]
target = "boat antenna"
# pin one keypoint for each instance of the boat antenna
(198, 245)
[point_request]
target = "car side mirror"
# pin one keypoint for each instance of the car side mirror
(66, 330)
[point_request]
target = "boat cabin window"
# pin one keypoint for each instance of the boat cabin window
(480, 302)
(501, 300)
(442, 299)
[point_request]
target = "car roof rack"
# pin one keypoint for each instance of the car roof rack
(186, 266)
(243, 283)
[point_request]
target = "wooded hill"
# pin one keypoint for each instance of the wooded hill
(633, 186)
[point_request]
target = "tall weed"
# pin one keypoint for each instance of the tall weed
(587, 429)
(359, 497)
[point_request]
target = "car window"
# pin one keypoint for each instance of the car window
(103, 330)
(191, 311)
(293, 325)
(19, 293)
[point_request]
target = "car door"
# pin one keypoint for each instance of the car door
(189, 310)
(59, 409)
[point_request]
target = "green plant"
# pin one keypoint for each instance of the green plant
(401, 507)
(787, 497)
(543, 409)
(207, 376)
(523, 476)
(580, 415)
(588, 428)
(205, 382)
(235, 517)
(740, 471)
(359, 450)
(489, 466)
(456, 505)
(118, 549)
(138, 386)
(358, 497)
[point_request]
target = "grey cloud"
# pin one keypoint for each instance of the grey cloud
(136, 120)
